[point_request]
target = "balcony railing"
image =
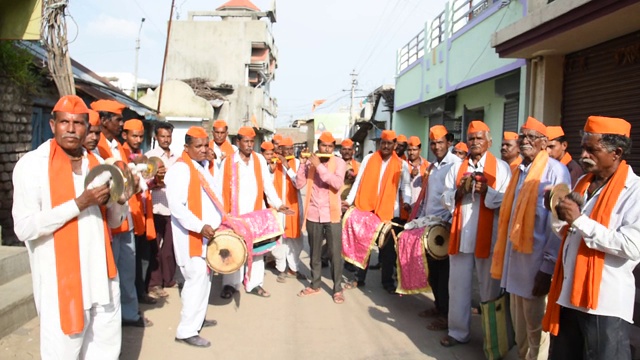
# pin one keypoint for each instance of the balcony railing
(464, 11)
(411, 52)
(438, 28)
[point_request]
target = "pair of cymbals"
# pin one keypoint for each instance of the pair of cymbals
(556, 194)
(116, 184)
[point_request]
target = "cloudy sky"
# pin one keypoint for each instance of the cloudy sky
(319, 42)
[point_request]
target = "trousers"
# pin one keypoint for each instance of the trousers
(124, 254)
(333, 233)
(195, 297)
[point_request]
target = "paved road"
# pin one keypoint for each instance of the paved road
(371, 324)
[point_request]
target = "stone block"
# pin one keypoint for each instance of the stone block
(7, 185)
(9, 166)
(5, 176)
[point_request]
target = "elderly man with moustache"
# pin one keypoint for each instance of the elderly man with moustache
(510, 151)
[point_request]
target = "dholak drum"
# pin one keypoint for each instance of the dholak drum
(436, 240)
(265, 227)
(226, 252)
(368, 223)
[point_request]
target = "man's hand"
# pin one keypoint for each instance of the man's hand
(90, 197)
(480, 187)
(541, 284)
(223, 155)
(210, 156)
(285, 163)
(568, 210)
(272, 166)
(285, 210)
(303, 160)
(314, 159)
(349, 175)
(208, 232)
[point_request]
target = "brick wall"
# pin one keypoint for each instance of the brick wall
(15, 141)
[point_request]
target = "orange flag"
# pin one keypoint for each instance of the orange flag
(317, 103)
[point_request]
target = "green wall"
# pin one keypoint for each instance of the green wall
(410, 123)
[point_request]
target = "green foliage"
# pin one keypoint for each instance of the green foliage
(17, 65)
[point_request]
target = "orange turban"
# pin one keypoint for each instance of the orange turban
(219, 124)
(437, 131)
(267, 145)
(326, 137)
(276, 137)
(401, 138)
(347, 143)
(133, 125)
(108, 105)
(414, 141)
(510, 135)
(533, 124)
(197, 132)
(388, 135)
(286, 141)
(94, 118)
(607, 125)
(71, 104)
(247, 131)
(462, 146)
(477, 126)
(554, 132)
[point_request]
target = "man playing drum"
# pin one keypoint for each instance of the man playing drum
(474, 190)
(194, 218)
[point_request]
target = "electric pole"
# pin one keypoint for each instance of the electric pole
(354, 83)
(135, 81)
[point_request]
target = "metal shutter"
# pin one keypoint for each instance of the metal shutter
(510, 116)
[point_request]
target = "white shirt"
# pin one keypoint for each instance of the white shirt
(404, 188)
(159, 195)
(35, 221)
(416, 182)
(182, 219)
(620, 242)
(248, 185)
(290, 175)
(114, 146)
(433, 205)
(218, 151)
(471, 208)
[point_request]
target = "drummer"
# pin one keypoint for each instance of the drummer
(526, 272)
(429, 204)
(189, 185)
(474, 190)
(382, 180)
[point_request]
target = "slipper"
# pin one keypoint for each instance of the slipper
(338, 297)
(349, 285)
(449, 341)
(259, 291)
(438, 325)
(227, 292)
(432, 312)
(141, 322)
(308, 291)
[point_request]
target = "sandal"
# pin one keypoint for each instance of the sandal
(432, 312)
(227, 292)
(308, 291)
(438, 325)
(349, 285)
(259, 291)
(338, 297)
(449, 341)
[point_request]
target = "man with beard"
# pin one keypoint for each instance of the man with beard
(510, 151)
(557, 148)
(525, 253)
(474, 194)
(401, 147)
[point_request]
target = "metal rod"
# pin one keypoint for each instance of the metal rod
(135, 75)
(166, 50)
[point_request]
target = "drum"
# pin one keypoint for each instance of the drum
(264, 228)
(226, 252)
(436, 240)
(369, 224)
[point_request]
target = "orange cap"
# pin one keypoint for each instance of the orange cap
(534, 124)
(197, 132)
(462, 146)
(247, 131)
(607, 125)
(388, 135)
(71, 104)
(267, 145)
(477, 126)
(437, 131)
(510, 135)
(111, 106)
(401, 138)
(94, 118)
(554, 132)
(133, 125)
(414, 141)
(276, 137)
(219, 124)
(326, 137)
(286, 141)
(347, 143)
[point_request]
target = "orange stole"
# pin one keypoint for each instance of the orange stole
(566, 159)
(226, 191)
(105, 153)
(483, 238)
(587, 274)
(142, 221)
(335, 211)
(194, 203)
(355, 166)
(292, 222)
(66, 242)
(382, 205)
(514, 164)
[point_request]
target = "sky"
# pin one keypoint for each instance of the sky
(320, 43)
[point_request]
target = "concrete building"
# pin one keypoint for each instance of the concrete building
(127, 82)
(229, 57)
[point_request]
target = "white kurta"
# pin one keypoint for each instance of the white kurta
(432, 204)
(620, 242)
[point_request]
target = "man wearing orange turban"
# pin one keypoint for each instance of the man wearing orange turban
(557, 148)
(401, 146)
(65, 228)
(277, 138)
(93, 134)
(510, 151)
(591, 302)
(525, 251)
(461, 150)
(417, 167)
(353, 166)
(220, 143)
(474, 191)
(382, 185)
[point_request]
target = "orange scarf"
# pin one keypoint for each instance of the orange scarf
(566, 159)
(292, 222)
(66, 242)
(335, 211)
(382, 204)
(514, 164)
(105, 152)
(523, 222)
(227, 190)
(226, 148)
(483, 238)
(194, 203)
(355, 166)
(142, 221)
(589, 265)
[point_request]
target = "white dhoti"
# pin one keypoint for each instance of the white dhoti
(256, 277)
(288, 253)
(195, 297)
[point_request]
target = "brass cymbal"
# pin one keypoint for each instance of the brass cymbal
(153, 164)
(116, 184)
(558, 193)
(128, 177)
